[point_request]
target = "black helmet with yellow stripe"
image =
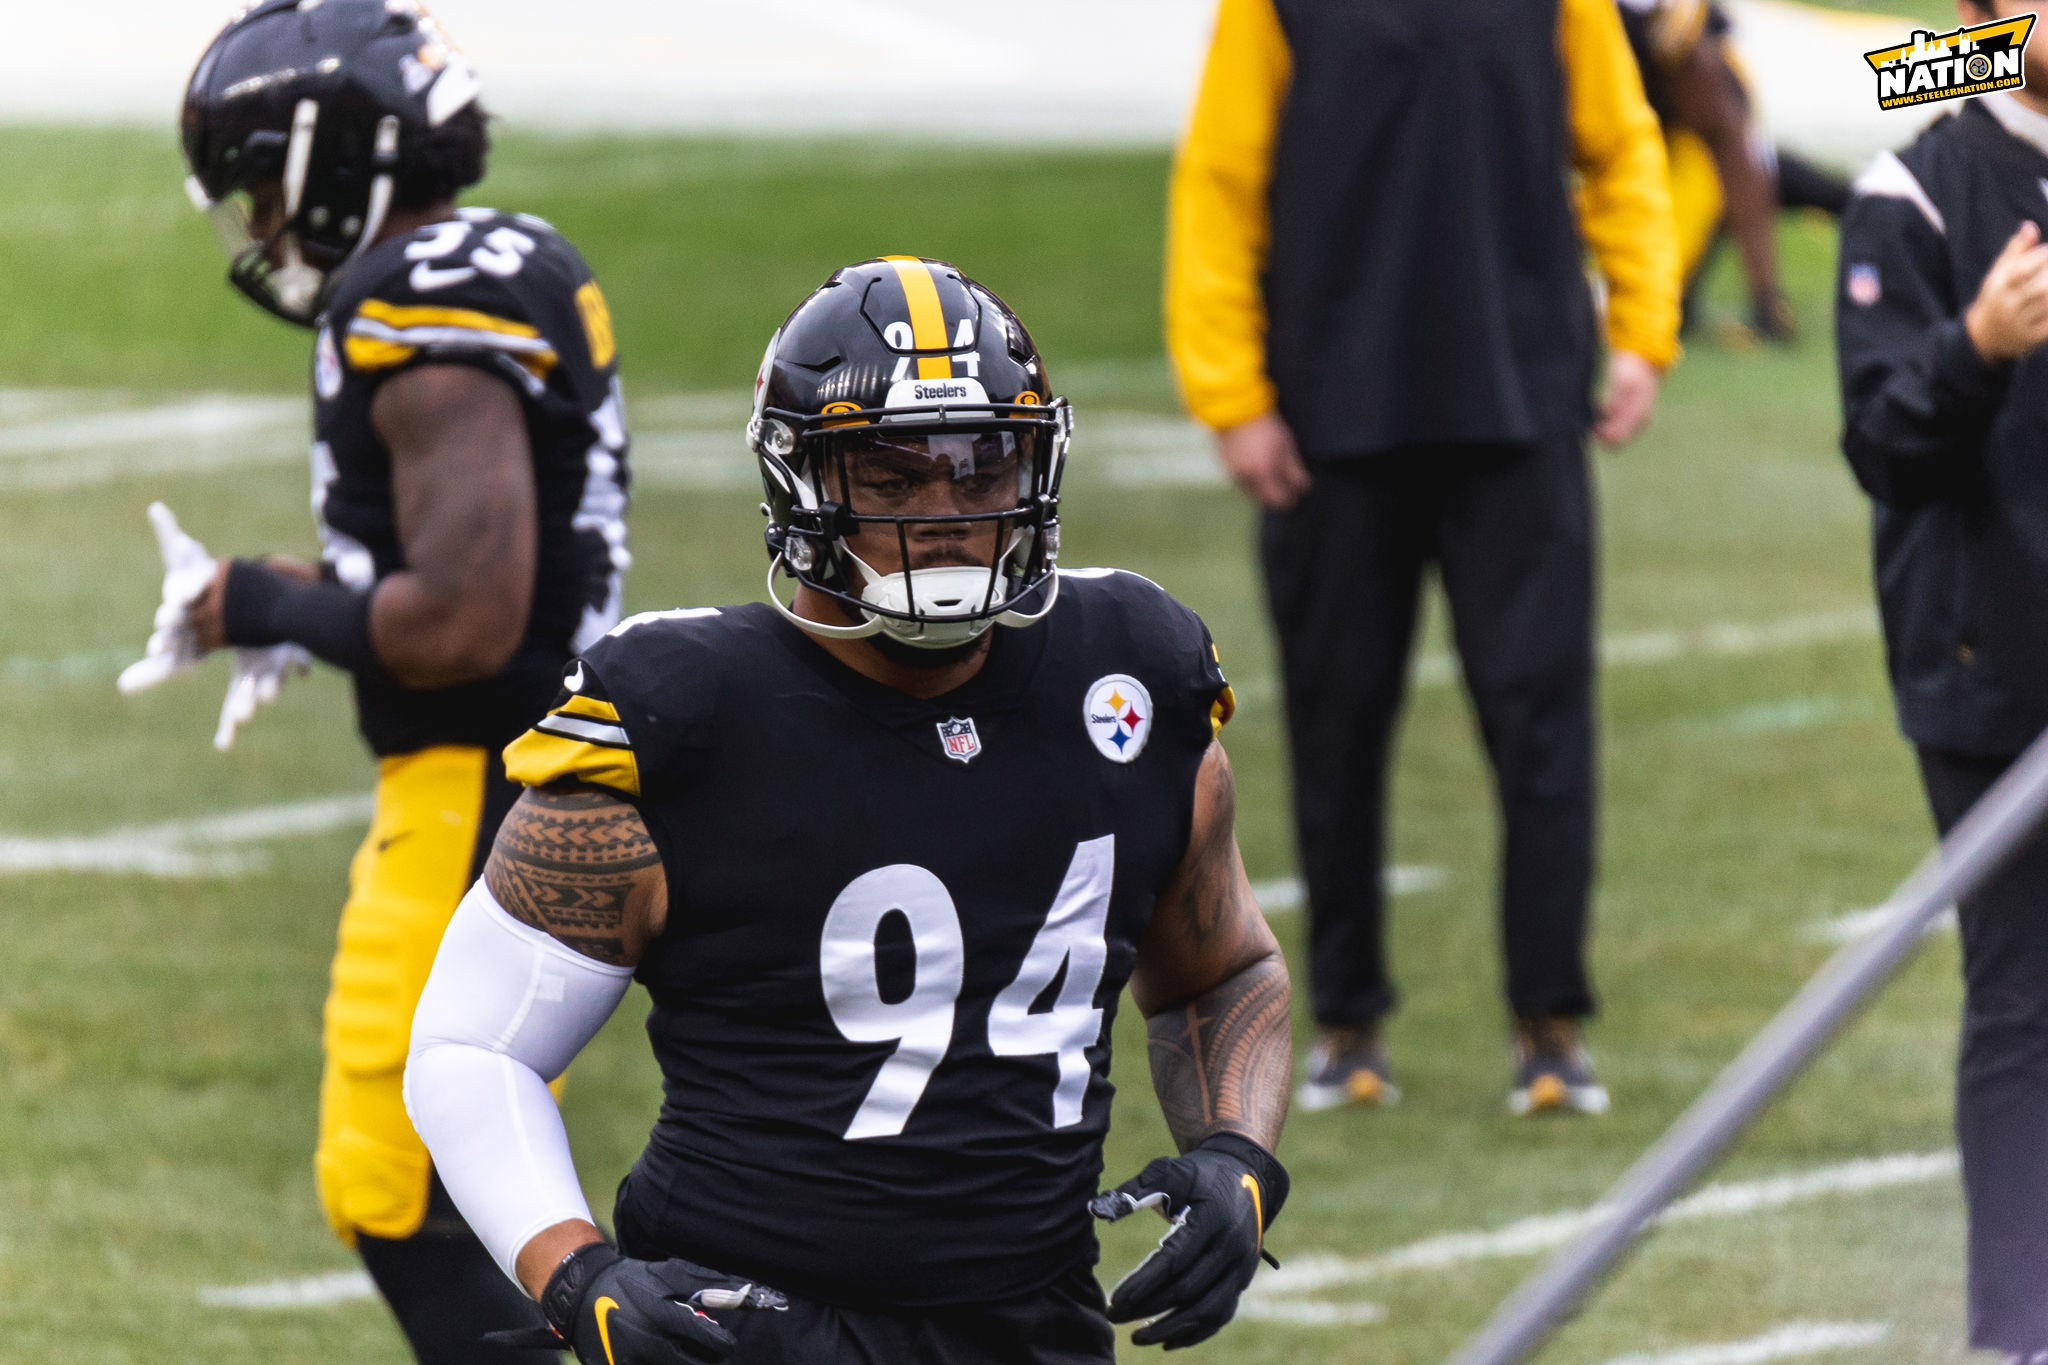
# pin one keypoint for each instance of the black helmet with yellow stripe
(904, 408)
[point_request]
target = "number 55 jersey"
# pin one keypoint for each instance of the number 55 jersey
(897, 931)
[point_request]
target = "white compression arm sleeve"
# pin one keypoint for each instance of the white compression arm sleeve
(504, 1011)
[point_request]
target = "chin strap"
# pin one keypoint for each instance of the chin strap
(1019, 618)
(872, 626)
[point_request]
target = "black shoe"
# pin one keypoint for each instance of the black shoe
(1345, 1066)
(1553, 1071)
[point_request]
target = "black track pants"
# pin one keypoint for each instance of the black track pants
(1511, 531)
(2002, 1072)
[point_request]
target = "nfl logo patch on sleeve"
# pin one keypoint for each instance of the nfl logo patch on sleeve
(1865, 288)
(959, 738)
(1118, 712)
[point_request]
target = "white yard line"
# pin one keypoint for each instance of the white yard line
(183, 849)
(1719, 639)
(1283, 895)
(1789, 1342)
(311, 1291)
(1311, 1312)
(1788, 716)
(262, 822)
(23, 856)
(205, 417)
(1306, 1274)
(91, 663)
(1856, 923)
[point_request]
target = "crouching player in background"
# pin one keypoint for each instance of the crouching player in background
(1942, 311)
(469, 483)
(885, 870)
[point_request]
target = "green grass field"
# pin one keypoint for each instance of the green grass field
(159, 1035)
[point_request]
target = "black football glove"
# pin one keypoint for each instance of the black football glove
(612, 1310)
(1220, 1199)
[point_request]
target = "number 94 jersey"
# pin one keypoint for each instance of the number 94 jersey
(897, 931)
(507, 294)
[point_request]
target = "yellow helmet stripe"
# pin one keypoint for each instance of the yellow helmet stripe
(927, 315)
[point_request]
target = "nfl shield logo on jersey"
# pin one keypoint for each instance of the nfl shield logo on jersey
(1118, 711)
(960, 739)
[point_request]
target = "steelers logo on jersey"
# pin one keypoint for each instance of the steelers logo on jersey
(1118, 711)
(326, 367)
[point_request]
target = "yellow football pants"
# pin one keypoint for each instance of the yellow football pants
(404, 885)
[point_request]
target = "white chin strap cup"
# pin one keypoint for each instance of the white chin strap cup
(951, 589)
(941, 597)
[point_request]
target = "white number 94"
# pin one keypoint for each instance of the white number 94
(921, 1023)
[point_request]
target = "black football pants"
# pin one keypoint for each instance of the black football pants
(1061, 1324)
(1510, 529)
(2002, 1072)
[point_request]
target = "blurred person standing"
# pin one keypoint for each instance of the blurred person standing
(1940, 319)
(469, 485)
(1376, 296)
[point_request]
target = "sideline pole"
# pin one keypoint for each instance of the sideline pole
(1974, 850)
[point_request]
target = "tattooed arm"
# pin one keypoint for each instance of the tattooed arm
(578, 865)
(1213, 987)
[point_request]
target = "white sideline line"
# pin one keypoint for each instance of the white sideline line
(1856, 923)
(1305, 1274)
(1284, 895)
(182, 849)
(1792, 1340)
(311, 1291)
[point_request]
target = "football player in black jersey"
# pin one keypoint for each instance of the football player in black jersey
(469, 481)
(885, 858)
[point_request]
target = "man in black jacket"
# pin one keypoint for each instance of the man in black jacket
(1942, 312)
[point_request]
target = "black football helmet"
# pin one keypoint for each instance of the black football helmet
(903, 374)
(298, 120)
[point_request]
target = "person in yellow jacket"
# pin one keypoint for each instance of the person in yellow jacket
(1376, 296)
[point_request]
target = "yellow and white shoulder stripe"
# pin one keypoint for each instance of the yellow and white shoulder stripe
(383, 335)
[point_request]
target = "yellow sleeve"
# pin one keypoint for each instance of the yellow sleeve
(579, 741)
(1217, 219)
(1625, 195)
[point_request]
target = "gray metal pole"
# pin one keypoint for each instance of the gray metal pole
(2006, 815)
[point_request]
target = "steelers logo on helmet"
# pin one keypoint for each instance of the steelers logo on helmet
(911, 457)
(1118, 713)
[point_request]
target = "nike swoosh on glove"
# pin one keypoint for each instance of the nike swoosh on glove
(1219, 1199)
(613, 1310)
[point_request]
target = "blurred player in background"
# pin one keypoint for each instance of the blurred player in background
(469, 481)
(885, 869)
(1940, 320)
(1724, 172)
(1376, 297)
